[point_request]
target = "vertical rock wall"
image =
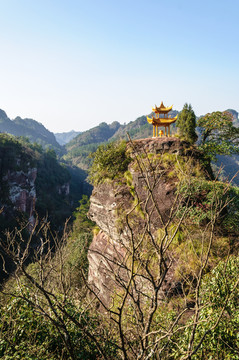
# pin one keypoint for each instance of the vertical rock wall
(22, 191)
(109, 204)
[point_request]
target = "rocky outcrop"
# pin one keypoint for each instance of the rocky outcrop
(162, 145)
(21, 191)
(111, 198)
(32, 177)
(33, 184)
(104, 256)
(127, 207)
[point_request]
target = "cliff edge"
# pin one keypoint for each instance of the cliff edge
(134, 206)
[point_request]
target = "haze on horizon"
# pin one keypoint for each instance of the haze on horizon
(73, 64)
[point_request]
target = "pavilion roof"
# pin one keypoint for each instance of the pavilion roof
(162, 109)
(161, 121)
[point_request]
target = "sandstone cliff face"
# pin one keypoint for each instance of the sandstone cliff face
(31, 177)
(21, 191)
(112, 202)
(103, 257)
(31, 183)
(110, 198)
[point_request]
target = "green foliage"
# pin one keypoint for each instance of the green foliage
(220, 294)
(218, 134)
(51, 176)
(86, 142)
(231, 218)
(18, 154)
(76, 253)
(15, 155)
(27, 334)
(81, 222)
(78, 184)
(137, 129)
(186, 124)
(109, 161)
(82, 145)
(79, 155)
(201, 197)
(33, 327)
(80, 239)
(219, 301)
(98, 134)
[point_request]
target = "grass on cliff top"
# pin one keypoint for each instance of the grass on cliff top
(109, 161)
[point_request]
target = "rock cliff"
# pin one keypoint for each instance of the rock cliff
(31, 182)
(22, 191)
(28, 177)
(135, 205)
(109, 197)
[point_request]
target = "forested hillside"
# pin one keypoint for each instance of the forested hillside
(81, 146)
(32, 179)
(78, 146)
(29, 128)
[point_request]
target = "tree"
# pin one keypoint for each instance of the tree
(41, 315)
(82, 223)
(186, 124)
(219, 318)
(218, 134)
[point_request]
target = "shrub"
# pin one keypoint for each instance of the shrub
(217, 328)
(109, 161)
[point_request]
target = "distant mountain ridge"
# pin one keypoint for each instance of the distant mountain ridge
(32, 129)
(78, 149)
(65, 137)
(78, 145)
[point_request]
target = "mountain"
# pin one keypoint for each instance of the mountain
(29, 128)
(65, 137)
(82, 145)
(78, 149)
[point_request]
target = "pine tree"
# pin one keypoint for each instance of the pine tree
(186, 124)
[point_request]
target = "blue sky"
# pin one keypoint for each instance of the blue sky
(73, 64)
